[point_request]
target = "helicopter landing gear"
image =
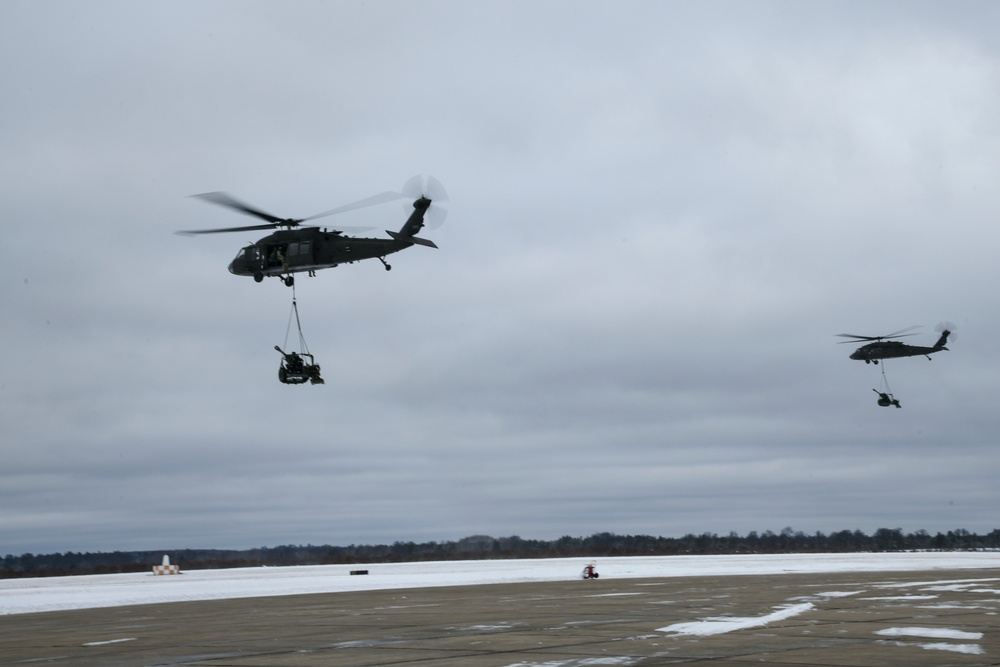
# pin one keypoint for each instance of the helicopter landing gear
(387, 266)
(258, 277)
(289, 281)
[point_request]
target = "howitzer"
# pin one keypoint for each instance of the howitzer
(294, 370)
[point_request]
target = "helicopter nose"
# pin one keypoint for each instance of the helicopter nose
(231, 269)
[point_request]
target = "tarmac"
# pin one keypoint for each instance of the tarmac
(937, 618)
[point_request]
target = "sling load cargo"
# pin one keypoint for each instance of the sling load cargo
(298, 366)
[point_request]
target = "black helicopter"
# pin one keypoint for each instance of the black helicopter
(294, 248)
(882, 347)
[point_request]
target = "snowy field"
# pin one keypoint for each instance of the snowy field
(19, 596)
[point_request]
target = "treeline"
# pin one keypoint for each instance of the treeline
(486, 547)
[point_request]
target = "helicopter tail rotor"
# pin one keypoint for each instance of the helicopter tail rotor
(427, 186)
(947, 331)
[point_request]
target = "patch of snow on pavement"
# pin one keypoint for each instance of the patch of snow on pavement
(110, 641)
(893, 598)
(973, 649)
(724, 624)
(932, 633)
(584, 662)
(937, 633)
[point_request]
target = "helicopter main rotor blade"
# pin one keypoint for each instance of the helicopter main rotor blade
(195, 232)
(896, 334)
(222, 199)
(374, 200)
(228, 201)
(854, 338)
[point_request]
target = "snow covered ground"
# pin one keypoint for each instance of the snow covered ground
(18, 596)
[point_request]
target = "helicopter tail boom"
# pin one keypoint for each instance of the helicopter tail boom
(407, 234)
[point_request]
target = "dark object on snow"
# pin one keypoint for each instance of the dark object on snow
(590, 573)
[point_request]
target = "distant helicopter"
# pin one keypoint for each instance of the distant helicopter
(882, 347)
(297, 249)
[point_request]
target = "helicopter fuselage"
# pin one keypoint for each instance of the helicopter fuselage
(308, 249)
(297, 250)
(891, 349)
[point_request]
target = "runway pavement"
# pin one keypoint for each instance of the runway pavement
(844, 619)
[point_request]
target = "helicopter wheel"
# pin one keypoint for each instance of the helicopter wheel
(289, 281)
(258, 277)
(388, 267)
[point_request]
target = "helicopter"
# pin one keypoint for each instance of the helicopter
(296, 248)
(881, 347)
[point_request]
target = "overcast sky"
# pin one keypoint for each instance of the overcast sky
(660, 214)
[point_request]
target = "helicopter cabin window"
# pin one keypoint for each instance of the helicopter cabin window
(276, 253)
(295, 249)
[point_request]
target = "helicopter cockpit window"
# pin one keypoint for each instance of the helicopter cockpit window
(248, 253)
